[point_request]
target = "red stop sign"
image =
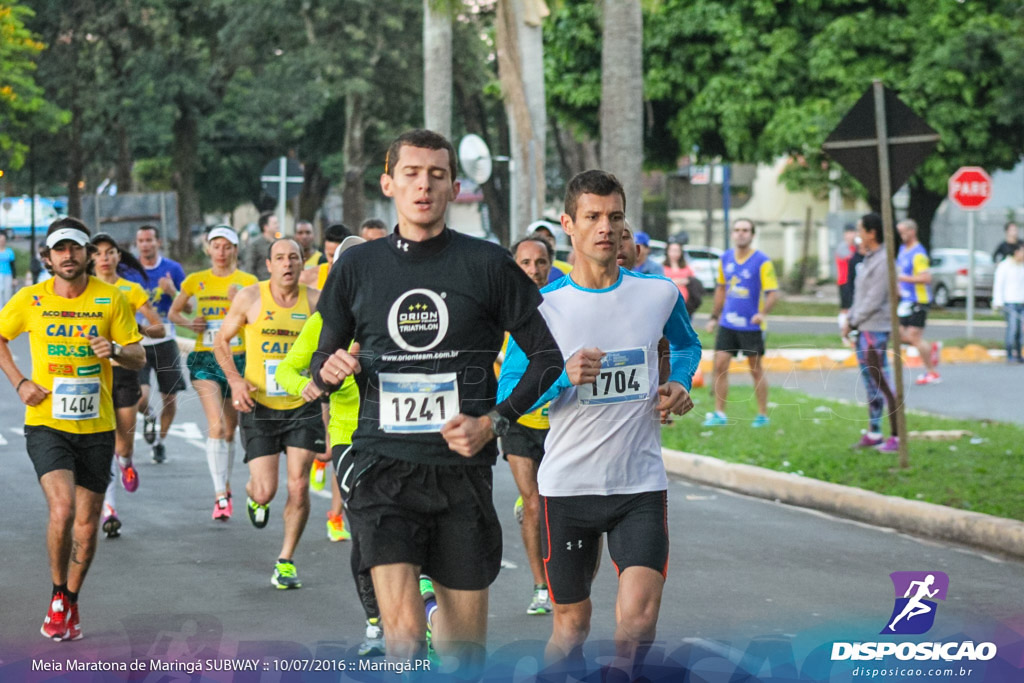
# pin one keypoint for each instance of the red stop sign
(970, 187)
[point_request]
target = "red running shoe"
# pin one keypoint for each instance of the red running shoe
(55, 625)
(74, 631)
(129, 477)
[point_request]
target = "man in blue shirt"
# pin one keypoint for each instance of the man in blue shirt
(643, 263)
(744, 274)
(164, 277)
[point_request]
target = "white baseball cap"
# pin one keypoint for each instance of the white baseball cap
(76, 236)
(346, 244)
(225, 232)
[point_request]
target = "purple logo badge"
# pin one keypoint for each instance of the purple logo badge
(916, 593)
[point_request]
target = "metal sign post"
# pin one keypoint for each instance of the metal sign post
(861, 144)
(969, 188)
(287, 182)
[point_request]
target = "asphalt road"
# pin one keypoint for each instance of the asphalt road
(746, 576)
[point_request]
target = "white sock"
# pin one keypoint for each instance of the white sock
(216, 458)
(230, 450)
(108, 497)
(123, 461)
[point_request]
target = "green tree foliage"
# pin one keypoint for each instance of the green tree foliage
(23, 106)
(749, 80)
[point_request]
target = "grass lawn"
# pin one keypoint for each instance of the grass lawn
(812, 437)
(796, 340)
(829, 309)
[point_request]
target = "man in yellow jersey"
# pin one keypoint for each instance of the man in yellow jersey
(523, 445)
(213, 290)
(78, 324)
(316, 277)
(273, 314)
(311, 256)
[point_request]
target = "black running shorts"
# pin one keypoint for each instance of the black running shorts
(917, 318)
(126, 390)
(525, 442)
(571, 528)
(88, 456)
(440, 518)
(266, 431)
(734, 341)
(163, 358)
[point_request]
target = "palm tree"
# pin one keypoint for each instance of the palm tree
(437, 66)
(622, 93)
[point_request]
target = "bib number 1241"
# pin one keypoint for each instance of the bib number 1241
(417, 403)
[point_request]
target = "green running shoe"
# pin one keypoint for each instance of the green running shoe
(518, 510)
(259, 515)
(541, 603)
(285, 576)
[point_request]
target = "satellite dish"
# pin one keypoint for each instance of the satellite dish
(475, 158)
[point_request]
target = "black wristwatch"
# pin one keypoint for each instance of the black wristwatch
(499, 423)
(115, 349)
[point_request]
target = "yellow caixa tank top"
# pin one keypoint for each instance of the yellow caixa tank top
(267, 341)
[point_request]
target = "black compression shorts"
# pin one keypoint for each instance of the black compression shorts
(571, 528)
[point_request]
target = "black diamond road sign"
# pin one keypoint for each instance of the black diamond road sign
(854, 142)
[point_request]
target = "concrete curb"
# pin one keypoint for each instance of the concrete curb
(985, 532)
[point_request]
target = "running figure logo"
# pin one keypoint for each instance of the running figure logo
(916, 592)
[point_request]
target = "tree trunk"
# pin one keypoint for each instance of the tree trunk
(123, 176)
(76, 158)
(474, 116)
(184, 162)
(315, 186)
(353, 196)
(437, 70)
(622, 95)
(922, 207)
(523, 93)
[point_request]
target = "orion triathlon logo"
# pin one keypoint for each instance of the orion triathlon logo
(916, 593)
(418, 320)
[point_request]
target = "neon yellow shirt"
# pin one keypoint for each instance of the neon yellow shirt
(62, 360)
(293, 376)
(267, 342)
(213, 298)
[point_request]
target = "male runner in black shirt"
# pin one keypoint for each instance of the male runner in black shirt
(427, 308)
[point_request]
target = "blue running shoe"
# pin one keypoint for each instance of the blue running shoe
(760, 421)
(715, 419)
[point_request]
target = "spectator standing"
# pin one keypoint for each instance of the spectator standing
(869, 316)
(1008, 295)
(258, 250)
(1010, 241)
(644, 264)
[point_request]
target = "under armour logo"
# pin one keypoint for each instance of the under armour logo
(404, 246)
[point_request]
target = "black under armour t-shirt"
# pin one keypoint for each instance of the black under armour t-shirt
(430, 318)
